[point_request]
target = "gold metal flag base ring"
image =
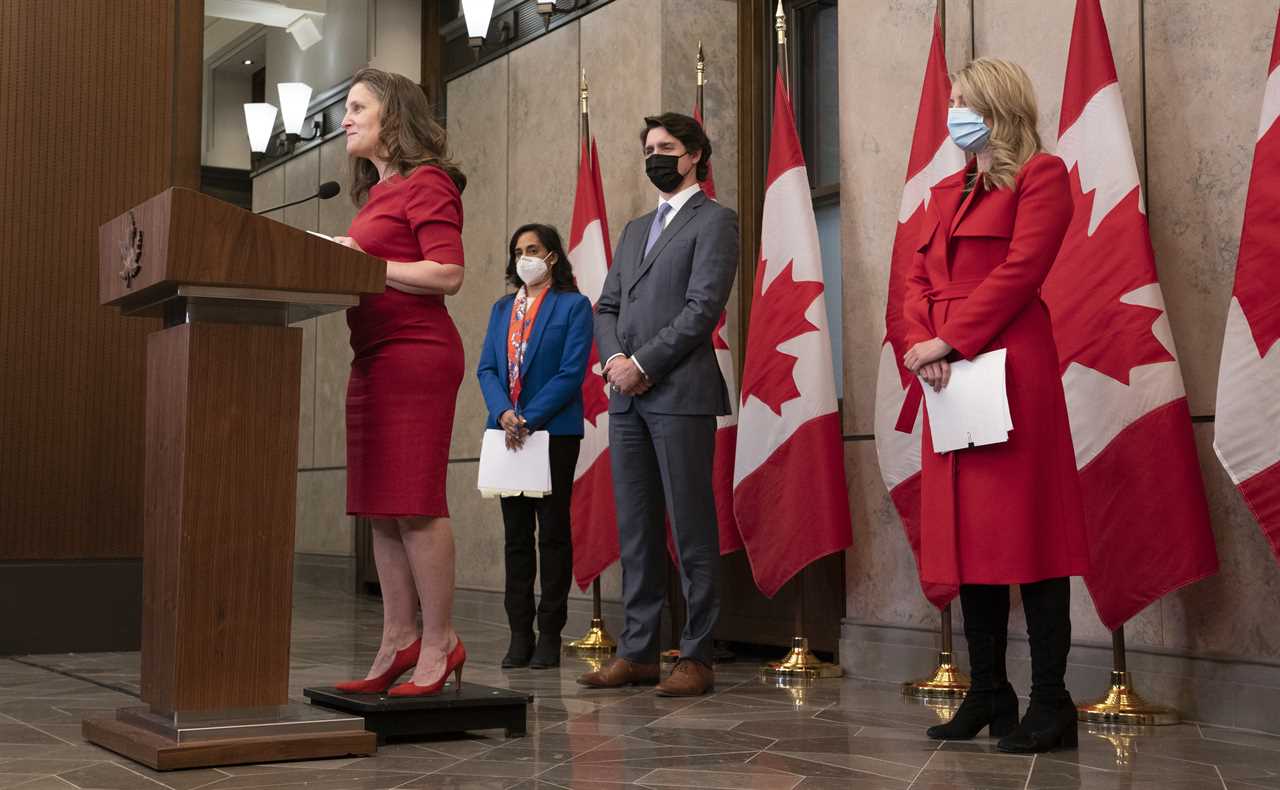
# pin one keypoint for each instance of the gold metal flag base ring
(1123, 705)
(946, 682)
(800, 664)
(596, 640)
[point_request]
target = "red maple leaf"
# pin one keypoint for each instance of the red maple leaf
(776, 316)
(1090, 323)
(594, 402)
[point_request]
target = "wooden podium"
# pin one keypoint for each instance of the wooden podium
(223, 378)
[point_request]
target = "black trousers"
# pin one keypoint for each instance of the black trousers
(552, 562)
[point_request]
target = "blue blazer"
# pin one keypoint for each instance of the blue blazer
(555, 363)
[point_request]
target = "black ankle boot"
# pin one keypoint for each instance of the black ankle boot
(1044, 728)
(520, 651)
(991, 702)
(547, 654)
(1050, 722)
(996, 710)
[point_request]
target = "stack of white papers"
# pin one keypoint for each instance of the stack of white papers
(523, 472)
(973, 409)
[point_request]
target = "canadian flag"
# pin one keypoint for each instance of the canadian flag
(726, 427)
(1145, 509)
(790, 496)
(1247, 428)
(933, 158)
(593, 516)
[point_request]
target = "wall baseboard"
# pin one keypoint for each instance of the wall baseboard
(1209, 690)
(324, 570)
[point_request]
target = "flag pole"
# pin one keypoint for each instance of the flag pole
(1122, 704)
(702, 80)
(780, 25)
(597, 639)
(800, 666)
(947, 681)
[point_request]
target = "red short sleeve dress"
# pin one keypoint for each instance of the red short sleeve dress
(408, 355)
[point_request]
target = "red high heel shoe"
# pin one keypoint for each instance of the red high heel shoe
(453, 663)
(404, 661)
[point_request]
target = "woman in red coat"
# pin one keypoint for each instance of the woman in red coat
(405, 375)
(1007, 513)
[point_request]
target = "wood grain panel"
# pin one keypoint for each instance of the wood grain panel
(222, 438)
(101, 103)
(192, 238)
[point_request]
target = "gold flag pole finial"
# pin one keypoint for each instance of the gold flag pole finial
(783, 59)
(584, 117)
(702, 67)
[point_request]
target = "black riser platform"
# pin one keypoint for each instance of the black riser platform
(475, 707)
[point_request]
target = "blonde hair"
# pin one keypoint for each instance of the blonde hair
(1001, 92)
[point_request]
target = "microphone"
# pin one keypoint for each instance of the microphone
(327, 190)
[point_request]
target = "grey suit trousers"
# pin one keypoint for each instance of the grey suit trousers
(657, 460)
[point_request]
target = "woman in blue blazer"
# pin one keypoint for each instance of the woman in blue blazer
(531, 370)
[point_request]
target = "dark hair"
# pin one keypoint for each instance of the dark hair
(562, 278)
(410, 134)
(687, 131)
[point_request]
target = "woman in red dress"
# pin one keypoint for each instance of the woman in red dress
(1007, 513)
(405, 375)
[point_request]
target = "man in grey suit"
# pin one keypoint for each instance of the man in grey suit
(671, 276)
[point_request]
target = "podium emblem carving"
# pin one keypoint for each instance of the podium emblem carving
(131, 253)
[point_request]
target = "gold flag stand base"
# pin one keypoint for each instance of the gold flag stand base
(1122, 705)
(799, 665)
(947, 681)
(596, 640)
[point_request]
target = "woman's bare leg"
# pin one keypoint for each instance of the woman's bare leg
(399, 597)
(428, 545)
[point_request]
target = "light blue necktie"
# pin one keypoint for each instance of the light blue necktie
(655, 230)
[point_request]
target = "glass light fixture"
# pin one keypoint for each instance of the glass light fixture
(295, 97)
(478, 13)
(260, 119)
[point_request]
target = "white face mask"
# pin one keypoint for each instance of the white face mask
(532, 270)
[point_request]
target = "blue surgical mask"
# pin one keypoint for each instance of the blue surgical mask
(967, 129)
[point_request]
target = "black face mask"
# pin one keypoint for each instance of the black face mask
(664, 171)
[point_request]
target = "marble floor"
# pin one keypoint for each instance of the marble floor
(746, 736)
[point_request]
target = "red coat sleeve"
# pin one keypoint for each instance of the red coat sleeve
(1043, 214)
(433, 208)
(915, 305)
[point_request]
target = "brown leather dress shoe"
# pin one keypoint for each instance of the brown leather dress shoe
(620, 672)
(689, 678)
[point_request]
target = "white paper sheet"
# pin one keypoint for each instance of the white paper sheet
(504, 472)
(973, 409)
(321, 235)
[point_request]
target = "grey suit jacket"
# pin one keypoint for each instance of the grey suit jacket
(662, 307)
